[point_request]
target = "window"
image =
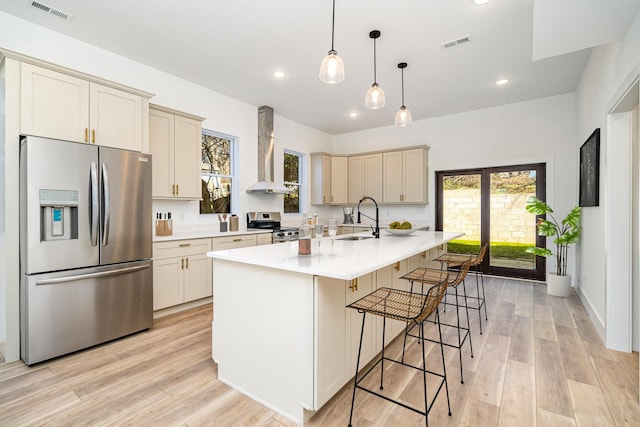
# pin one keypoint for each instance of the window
(217, 172)
(292, 180)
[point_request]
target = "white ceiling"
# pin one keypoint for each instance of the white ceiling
(233, 46)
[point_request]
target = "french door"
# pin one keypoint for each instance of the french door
(488, 205)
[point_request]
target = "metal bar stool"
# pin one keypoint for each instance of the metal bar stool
(409, 307)
(454, 261)
(452, 282)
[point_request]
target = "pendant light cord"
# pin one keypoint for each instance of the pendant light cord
(402, 74)
(375, 79)
(333, 22)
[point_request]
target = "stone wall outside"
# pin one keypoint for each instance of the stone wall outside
(510, 221)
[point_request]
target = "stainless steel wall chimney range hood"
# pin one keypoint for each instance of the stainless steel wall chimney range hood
(265, 182)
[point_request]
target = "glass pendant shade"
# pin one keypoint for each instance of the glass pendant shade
(403, 116)
(374, 98)
(332, 68)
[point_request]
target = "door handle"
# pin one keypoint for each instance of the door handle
(91, 275)
(93, 225)
(106, 221)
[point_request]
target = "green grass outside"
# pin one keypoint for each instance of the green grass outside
(498, 249)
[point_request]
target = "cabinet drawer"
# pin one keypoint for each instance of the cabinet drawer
(233, 242)
(180, 248)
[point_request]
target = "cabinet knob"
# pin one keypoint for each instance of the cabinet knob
(177, 189)
(187, 259)
(86, 134)
(424, 254)
(173, 189)
(182, 264)
(93, 136)
(185, 245)
(396, 266)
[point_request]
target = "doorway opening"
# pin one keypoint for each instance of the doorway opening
(488, 205)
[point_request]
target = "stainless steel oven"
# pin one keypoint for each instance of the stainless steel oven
(271, 221)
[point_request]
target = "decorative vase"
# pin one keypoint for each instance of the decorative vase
(559, 286)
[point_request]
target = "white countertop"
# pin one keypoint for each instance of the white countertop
(351, 259)
(203, 234)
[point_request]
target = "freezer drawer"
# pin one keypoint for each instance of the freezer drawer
(67, 311)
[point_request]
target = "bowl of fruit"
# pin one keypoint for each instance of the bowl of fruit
(397, 228)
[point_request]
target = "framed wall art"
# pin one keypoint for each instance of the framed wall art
(590, 170)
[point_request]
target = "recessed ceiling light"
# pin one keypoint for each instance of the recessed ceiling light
(279, 74)
(353, 114)
(480, 2)
(502, 82)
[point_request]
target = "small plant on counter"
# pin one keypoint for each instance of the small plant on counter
(566, 233)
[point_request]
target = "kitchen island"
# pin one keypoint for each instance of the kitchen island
(281, 332)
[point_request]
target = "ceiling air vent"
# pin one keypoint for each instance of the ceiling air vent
(456, 42)
(51, 10)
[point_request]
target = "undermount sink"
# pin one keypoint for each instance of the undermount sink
(358, 237)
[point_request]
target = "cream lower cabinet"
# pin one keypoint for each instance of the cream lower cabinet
(264, 239)
(61, 106)
(234, 242)
(175, 144)
(182, 272)
(338, 333)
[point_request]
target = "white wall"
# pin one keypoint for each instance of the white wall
(607, 72)
(223, 114)
(538, 131)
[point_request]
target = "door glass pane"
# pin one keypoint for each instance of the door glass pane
(512, 227)
(461, 211)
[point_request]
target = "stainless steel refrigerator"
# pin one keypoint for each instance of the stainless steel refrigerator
(85, 246)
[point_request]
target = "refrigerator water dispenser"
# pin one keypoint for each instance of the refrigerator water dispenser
(58, 215)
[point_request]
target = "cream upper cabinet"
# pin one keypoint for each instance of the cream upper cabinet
(320, 179)
(365, 177)
(115, 118)
(339, 180)
(405, 176)
(175, 143)
(61, 106)
(356, 178)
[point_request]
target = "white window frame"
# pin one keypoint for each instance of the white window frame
(233, 166)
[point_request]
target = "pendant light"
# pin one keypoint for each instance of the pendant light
(332, 67)
(375, 95)
(403, 116)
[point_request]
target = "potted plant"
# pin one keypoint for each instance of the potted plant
(566, 233)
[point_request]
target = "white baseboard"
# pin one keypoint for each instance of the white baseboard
(595, 319)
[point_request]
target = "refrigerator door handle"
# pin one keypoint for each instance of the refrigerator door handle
(106, 204)
(91, 275)
(93, 225)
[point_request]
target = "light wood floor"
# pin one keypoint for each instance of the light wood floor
(539, 362)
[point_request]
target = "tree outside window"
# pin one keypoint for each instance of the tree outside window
(292, 163)
(217, 173)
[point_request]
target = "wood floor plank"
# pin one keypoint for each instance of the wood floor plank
(521, 344)
(489, 380)
(560, 312)
(551, 419)
(629, 363)
(576, 362)
(591, 408)
(552, 391)
(479, 413)
(27, 411)
(545, 329)
(620, 394)
(518, 404)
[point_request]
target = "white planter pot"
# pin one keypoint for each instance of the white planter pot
(559, 286)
